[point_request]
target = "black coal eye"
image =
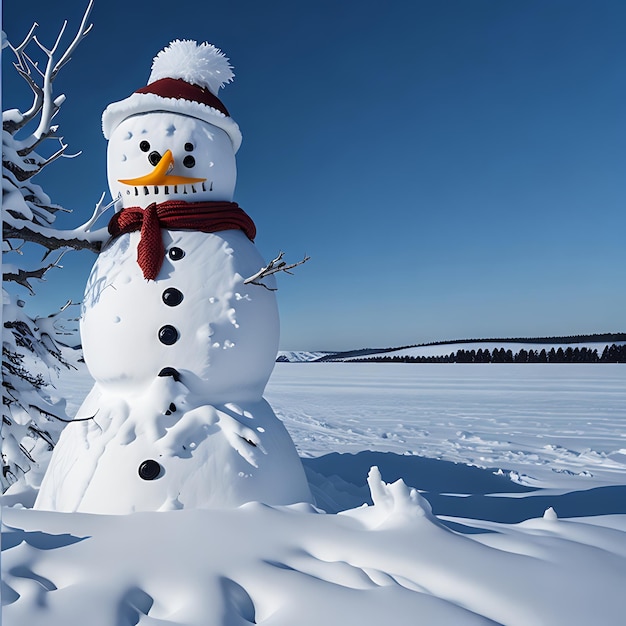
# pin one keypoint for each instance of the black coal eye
(154, 157)
(188, 147)
(144, 146)
(189, 161)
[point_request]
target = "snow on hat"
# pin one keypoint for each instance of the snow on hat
(185, 79)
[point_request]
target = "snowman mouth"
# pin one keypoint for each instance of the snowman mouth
(166, 190)
(160, 178)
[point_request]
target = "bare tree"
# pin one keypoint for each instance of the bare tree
(31, 417)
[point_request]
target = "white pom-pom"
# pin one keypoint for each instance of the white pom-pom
(199, 64)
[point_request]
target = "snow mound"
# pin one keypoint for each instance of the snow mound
(294, 565)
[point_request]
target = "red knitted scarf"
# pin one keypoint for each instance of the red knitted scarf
(206, 217)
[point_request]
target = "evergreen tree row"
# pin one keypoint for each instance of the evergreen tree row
(610, 354)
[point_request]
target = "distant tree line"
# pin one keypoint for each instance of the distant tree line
(610, 354)
(608, 337)
(376, 352)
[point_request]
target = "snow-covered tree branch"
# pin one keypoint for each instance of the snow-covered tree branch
(28, 213)
(32, 417)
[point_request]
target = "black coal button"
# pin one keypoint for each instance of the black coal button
(170, 371)
(172, 296)
(149, 470)
(176, 254)
(168, 335)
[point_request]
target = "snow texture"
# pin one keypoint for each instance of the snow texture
(31, 416)
(393, 561)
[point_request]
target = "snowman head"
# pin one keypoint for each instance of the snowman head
(159, 156)
(174, 139)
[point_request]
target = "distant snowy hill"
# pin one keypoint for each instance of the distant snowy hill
(449, 348)
(445, 348)
(285, 356)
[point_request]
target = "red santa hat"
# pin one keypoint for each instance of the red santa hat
(185, 79)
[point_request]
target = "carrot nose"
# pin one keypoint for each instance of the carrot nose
(159, 175)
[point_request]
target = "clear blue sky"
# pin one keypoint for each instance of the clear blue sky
(455, 168)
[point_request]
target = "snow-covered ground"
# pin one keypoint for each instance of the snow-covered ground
(546, 423)
(524, 467)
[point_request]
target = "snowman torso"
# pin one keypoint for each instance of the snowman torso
(198, 317)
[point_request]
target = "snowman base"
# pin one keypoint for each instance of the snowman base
(159, 454)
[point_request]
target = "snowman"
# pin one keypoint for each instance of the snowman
(180, 346)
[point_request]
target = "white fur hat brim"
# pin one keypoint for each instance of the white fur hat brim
(142, 103)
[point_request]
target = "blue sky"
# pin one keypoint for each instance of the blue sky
(455, 168)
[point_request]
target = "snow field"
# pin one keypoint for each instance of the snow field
(501, 455)
(551, 425)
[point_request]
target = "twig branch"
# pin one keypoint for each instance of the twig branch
(29, 37)
(27, 149)
(274, 266)
(82, 33)
(99, 209)
(43, 103)
(61, 419)
(23, 276)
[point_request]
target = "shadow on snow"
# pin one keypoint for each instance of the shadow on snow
(339, 482)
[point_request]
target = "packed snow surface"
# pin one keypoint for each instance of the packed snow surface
(512, 510)
(549, 424)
